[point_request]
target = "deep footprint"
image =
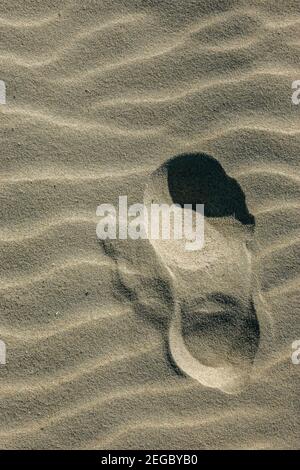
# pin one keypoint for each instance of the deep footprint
(214, 332)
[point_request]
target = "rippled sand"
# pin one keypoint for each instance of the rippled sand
(98, 97)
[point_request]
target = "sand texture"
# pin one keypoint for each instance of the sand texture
(135, 344)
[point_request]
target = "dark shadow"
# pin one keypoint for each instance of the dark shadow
(198, 178)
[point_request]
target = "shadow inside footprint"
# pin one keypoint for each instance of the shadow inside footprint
(214, 332)
(199, 178)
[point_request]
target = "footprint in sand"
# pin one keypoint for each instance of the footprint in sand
(214, 333)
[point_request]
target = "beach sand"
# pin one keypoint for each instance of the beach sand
(99, 95)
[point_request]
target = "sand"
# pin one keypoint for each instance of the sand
(106, 345)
